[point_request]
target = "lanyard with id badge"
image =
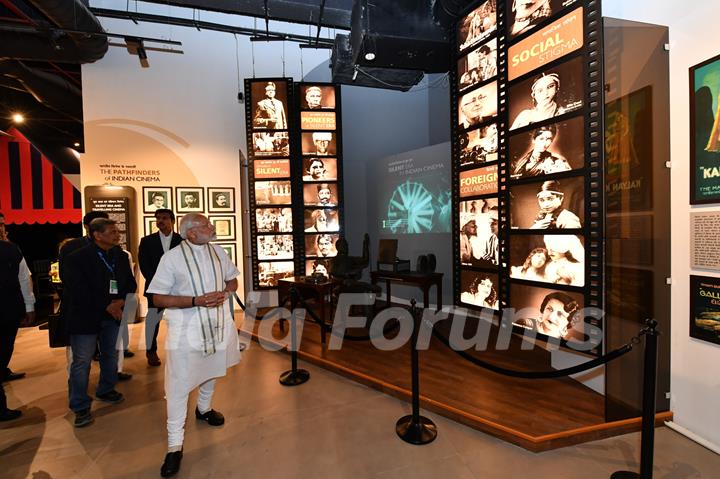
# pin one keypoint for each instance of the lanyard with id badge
(113, 289)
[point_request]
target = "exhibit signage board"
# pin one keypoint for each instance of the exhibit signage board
(705, 308)
(705, 240)
(705, 132)
(527, 174)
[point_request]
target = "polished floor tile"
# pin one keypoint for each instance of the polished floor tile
(329, 427)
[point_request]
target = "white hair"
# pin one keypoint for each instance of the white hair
(188, 222)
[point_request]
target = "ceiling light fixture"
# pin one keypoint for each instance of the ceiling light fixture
(76, 144)
(369, 56)
(18, 118)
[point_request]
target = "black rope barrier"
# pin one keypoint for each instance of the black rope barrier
(295, 376)
(621, 351)
(240, 303)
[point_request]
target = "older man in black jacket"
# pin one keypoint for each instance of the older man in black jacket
(152, 248)
(98, 277)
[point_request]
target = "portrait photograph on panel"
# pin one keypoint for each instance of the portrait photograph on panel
(477, 106)
(221, 200)
(156, 197)
(558, 259)
(231, 251)
(479, 146)
(477, 25)
(548, 149)
(547, 205)
(150, 225)
(273, 220)
(270, 169)
(269, 273)
(190, 199)
(224, 227)
(479, 288)
(317, 97)
(479, 244)
(272, 193)
(319, 143)
(320, 194)
(478, 65)
(552, 92)
(270, 247)
(318, 266)
(321, 245)
(525, 15)
(552, 313)
(269, 102)
(321, 220)
(271, 143)
(319, 169)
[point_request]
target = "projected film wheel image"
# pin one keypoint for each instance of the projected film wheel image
(410, 209)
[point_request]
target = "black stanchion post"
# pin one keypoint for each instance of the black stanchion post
(415, 428)
(647, 447)
(295, 376)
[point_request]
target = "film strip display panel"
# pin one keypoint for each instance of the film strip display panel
(319, 116)
(527, 170)
(270, 179)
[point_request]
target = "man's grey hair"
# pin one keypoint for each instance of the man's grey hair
(99, 225)
(188, 222)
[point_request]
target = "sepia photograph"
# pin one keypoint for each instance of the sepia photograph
(478, 65)
(273, 220)
(319, 143)
(552, 313)
(322, 245)
(150, 225)
(156, 197)
(271, 143)
(230, 249)
(273, 193)
(271, 247)
(525, 15)
(319, 169)
(320, 194)
(477, 106)
(552, 204)
(221, 200)
(558, 259)
(479, 288)
(554, 92)
(224, 227)
(321, 220)
(548, 149)
(479, 244)
(269, 273)
(479, 146)
(477, 25)
(269, 100)
(190, 199)
(317, 97)
(318, 266)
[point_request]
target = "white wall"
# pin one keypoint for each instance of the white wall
(693, 38)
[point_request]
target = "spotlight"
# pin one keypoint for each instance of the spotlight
(76, 144)
(369, 56)
(18, 118)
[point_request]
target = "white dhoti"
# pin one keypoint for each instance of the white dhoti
(190, 361)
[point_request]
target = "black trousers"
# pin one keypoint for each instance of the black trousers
(8, 333)
(3, 399)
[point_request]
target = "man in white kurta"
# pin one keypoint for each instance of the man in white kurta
(193, 282)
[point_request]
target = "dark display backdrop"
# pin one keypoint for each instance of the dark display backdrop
(546, 210)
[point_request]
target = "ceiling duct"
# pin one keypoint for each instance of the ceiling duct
(344, 70)
(399, 34)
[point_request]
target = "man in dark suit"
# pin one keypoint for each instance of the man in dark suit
(152, 248)
(98, 278)
(17, 309)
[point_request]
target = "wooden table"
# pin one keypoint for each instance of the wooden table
(307, 290)
(422, 280)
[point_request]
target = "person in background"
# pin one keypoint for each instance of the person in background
(152, 248)
(17, 303)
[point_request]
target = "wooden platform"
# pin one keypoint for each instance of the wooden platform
(537, 415)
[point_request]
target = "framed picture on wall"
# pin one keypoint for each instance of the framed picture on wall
(705, 132)
(224, 227)
(190, 199)
(156, 197)
(704, 312)
(221, 200)
(231, 250)
(150, 225)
